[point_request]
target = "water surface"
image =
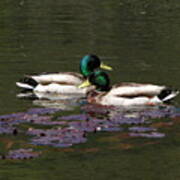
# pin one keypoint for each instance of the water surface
(140, 39)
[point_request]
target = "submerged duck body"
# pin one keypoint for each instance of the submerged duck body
(126, 94)
(63, 82)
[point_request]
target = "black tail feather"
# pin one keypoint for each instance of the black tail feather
(164, 93)
(29, 80)
(167, 94)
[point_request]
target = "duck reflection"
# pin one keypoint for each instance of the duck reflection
(53, 100)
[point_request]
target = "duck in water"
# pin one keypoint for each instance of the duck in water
(63, 82)
(125, 94)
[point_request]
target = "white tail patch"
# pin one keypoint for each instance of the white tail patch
(171, 96)
(24, 86)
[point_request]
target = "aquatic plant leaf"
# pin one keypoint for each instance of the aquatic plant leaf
(158, 113)
(87, 126)
(126, 120)
(148, 135)
(8, 130)
(41, 111)
(57, 137)
(92, 108)
(110, 128)
(141, 129)
(82, 117)
(22, 154)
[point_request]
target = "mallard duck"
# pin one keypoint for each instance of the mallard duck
(63, 82)
(125, 94)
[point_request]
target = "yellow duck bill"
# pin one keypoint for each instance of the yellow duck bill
(85, 84)
(106, 67)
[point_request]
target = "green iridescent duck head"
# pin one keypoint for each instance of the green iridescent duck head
(98, 78)
(91, 62)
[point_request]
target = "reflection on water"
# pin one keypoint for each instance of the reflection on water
(66, 131)
(53, 100)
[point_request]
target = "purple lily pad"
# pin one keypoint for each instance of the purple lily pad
(95, 118)
(158, 113)
(57, 137)
(22, 154)
(44, 120)
(62, 145)
(148, 135)
(126, 120)
(11, 116)
(42, 111)
(8, 130)
(141, 129)
(91, 108)
(87, 126)
(109, 128)
(98, 121)
(175, 115)
(82, 117)
(35, 132)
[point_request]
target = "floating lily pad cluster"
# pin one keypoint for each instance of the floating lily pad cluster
(57, 137)
(35, 115)
(73, 129)
(21, 154)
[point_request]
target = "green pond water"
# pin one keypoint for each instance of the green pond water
(140, 39)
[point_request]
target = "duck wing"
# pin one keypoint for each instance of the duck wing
(131, 90)
(71, 78)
